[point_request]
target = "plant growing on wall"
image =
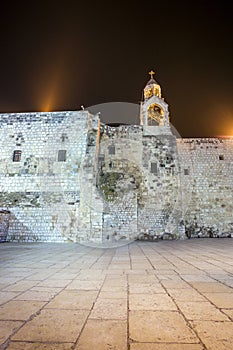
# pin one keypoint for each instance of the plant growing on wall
(107, 184)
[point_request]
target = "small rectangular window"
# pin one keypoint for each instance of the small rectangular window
(61, 156)
(153, 168)
(186, 171)
(101, 157)
(111, 150)
(17, 156)
(221, 157)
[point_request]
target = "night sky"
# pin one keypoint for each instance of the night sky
(61, 55)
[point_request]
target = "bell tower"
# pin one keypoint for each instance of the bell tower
(154, 110)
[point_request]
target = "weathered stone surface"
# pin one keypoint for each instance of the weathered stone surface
(40, 295)
(147, 288)
(223, 300)
(215, 335)
(6, 296)
(100, 318)
(157, 346)
(53, 325)
(159, 326)
(201, 311)
(19, 310)
(103, 335)
(73, 300)
(16, 345)
(186, 294)
(21, 286)
(109, 309)
(84, 285)
(211, 287)
(151, 302)
(7, 328)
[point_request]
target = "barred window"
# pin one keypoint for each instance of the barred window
(61, 155)
(17, 155)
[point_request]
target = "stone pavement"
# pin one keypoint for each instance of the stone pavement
(163, 295)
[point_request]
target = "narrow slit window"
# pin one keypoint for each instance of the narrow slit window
(61, 155)
(17, 156)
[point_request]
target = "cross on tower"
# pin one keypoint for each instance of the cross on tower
(151, 74)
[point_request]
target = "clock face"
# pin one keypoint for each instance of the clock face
(155, 114)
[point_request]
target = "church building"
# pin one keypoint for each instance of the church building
(66, 176)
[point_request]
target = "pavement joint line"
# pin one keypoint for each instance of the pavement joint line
(87, 318)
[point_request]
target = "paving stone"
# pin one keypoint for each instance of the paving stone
(54, 283)
(7, 328)
(103, 335)
(167, 275)
(229, 312)
(201, 311)
(109, 309)
(214, 287)
(40, 275)
(159, 326)
(156, 346)
(90, 275)
(197, 278)
(3, 285)
(223, 300)
(19, 310)
(169, 284)
(186, 295)
(13, 345)
(16, 272)
(138, 272)
(85, 285)
(143, 279)
(142, 266)
(72, 300)
(6, 296)
(119, 266)
(110, 286)
(151, 302)
(64, 275)
(215, 335)
(53, 325)
(113, 295)
(66, 309)
(39, 295)
(21, 286)
(147, 288)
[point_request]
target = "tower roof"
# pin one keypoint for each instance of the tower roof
(152, 81)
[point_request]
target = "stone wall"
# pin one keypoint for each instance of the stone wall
(206, 168)
(41, 188)
(141, 164)
(64, 176)
(160, 188)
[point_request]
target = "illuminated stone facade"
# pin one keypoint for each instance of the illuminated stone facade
(65, 176)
